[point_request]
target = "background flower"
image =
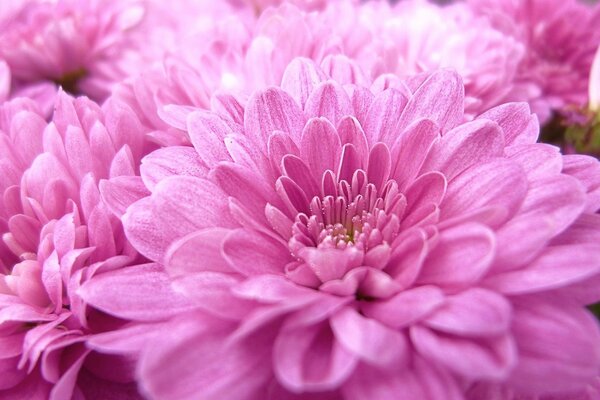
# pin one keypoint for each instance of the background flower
(59, 242)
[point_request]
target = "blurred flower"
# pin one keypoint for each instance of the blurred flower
(560, 38)
(356, 243)
(87, 46)
(59, 245)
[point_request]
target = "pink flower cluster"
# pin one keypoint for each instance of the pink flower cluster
(303, 199)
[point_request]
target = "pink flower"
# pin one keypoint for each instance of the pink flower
(354, 243)
(88, 46)
(60, 246)
(560, 38)
(417, 36)
(240, 55)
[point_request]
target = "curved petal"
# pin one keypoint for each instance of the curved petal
(311, 359)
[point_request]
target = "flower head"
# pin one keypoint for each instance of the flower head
(60, 243)
(359, 243)
(554, 73)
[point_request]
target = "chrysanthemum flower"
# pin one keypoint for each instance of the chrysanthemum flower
(240, 54)
(59, 245)
(88, 46)
(355, 243)
(560, 38)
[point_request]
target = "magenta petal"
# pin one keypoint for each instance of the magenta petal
(165, 371)
(587, 170)
(311, 358)
(410, 149)
(11, 374)
(469, 144)
(141, 292)
(498, 183)
(537, 160)
(320, 146)
(210, 290)
(178, 206)
(350, 161)
(378, 170)
(520, 126)
(368, 339)
(207, 132)
(171, 161)
(294, 168)
(351, 132)
(272, 110)
(492, 358)
(343, 70)
(252, 253)
(556, 267)
(120, 192)
(473, 312)
(429, 188)
(197, 252)
(421, 381)
(439, 98)
(245, 185)
(328, 101)
(300, 78)
(550, 206)
(461, 257)
(384, 114)
(406, 307)
(63, 389)
(558, 346)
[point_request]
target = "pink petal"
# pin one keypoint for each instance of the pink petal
(379, 166)
(469, 144)
(344, 70)
(320, 146)
(557, 266)
(207, 132)
(294, 168)
(178, 206)
(461, 257)
(141, 292)
(558, 346)
(210, 290)
(537, 160)
(246, 185)
(165, 368)
(587, 170)
(368, 339)
(440, 99)
(120, 192)
(311, 358)
(350, 131)
(382, 120)
(300, 78)
(520, 126)
(550, 206)
(328, 101)
(492, 358)
(171, 161)
(251, 253)
(272, 110)
(498, 183)
(406, 307)
(197, 252)
(474, 312)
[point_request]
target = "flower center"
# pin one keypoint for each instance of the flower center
(345, 229)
